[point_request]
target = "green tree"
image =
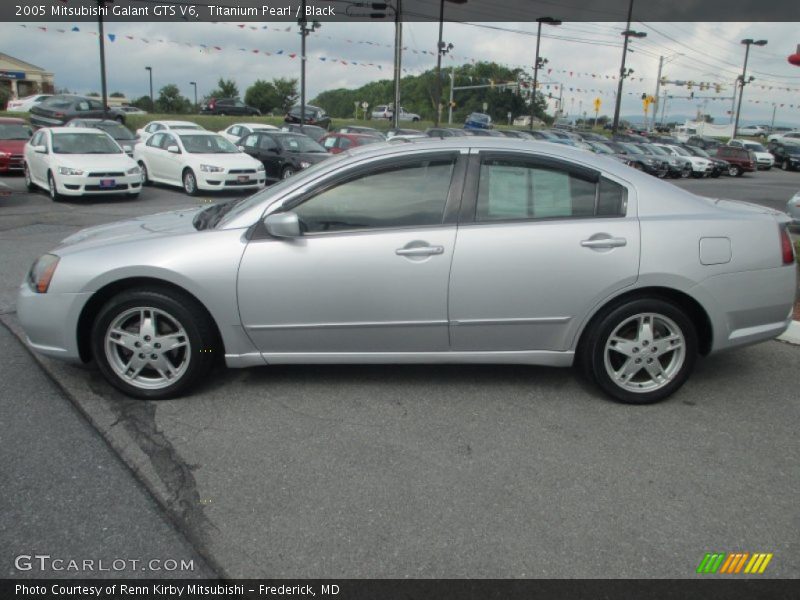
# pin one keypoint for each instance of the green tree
(116, 95)
(93, 94)
(226, 88)
(170, 100)
(143, 103)
(275, 96)
(286, 91)
(5, 95)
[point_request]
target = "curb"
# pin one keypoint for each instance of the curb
(791, 335)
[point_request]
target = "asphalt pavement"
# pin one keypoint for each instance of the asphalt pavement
(434, 471)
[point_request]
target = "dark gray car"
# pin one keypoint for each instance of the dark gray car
(57, 111)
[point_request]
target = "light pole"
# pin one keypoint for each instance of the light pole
(152, 102)
(304, 31)
(539, 62)
(628, 33)
(441, 50)
(398, 60)
(194, 85)
(661, 62)
(101, 36)
(743, 79)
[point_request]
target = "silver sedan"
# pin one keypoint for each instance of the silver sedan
(469, 250)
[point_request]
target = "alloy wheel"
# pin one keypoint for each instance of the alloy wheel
(645, 352)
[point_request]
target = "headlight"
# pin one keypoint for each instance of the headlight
(4, 154)
(69, 171)
(305, 165)
(41, 273)
(211, 169)
(260, 168)
(135, 171)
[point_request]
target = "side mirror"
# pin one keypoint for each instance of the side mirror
(173, 149)
(283, 225)
(40, 149)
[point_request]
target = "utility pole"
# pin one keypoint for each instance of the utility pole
(658, 89)
(304, 31)
(152, 102)
(104, 90)
(628, 33)
(743, 80)
(450, 103)
(772, 125)
(538, 62)
(194, 85)
(398, 59)
(663, 108)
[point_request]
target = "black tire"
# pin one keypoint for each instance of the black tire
(202, 339)
(287, 172)
(120, 120)
(189, 182)
(592, 353)
(734, 171)
(686, 173)
(52, 189)
(145, 174)
(29, 185)
(715, 174)
(415, 120)
(786, 166)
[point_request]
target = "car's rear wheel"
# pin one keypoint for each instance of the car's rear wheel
(153, 344)
(640, 352)
(734, 171)
(287, 172)
(29, 185)
(686, 172)
(785, 166)
(190, 182)
(52, 189)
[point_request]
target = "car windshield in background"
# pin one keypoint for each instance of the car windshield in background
(187, 126)
(681, 151)
(14, 132)
(793, 149)
(207, 144)
(601, 148)
(657, 150)
(84, 143)
(700, 152)
(755, 147)
(57, 103)
(480, 118)
(299, 143)
(632, 148)
(369, 139)
(117, 131)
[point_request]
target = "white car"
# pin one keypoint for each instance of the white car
(786, 135)
(132, 110)
(387, 112)
(764, 158)
(153, 126)
(25, 104)
(701, 167)
(753, 131)
(238, 130)
(79, 161)
(197, 160)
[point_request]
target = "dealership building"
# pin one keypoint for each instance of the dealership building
(22, 78)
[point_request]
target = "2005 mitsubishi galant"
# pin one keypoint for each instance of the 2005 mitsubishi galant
(465, 251)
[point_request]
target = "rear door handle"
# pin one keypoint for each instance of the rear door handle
(420, 251)
(604, 243)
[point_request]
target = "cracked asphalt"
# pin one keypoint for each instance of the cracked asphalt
(407, 471)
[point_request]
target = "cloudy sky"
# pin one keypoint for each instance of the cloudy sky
(582, 56)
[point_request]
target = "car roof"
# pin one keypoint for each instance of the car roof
(12, 121)
(174, 123)
(252, 125)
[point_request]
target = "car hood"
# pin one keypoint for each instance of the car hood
(762, 155)
(12, 146)
(173, 222)
(231, 161)
(96, 162)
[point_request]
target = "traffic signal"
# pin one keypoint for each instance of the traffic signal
(717, 88)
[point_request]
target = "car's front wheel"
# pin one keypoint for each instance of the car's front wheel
(53, 190)
(786, 166)
(145, 174)
(686, 172)
(29, 185)
(190, 182)
(153, 344)
(734, 171)
(641, 351)
(287, 172)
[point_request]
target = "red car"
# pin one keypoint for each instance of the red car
(14, 133)
(739, 160)
(339, 142)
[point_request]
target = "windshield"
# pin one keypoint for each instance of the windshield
(186, 126)
(601, 148)
(84, 143)
(368, 139)
(116, 131)
(207, 144)
(275, 189)
(680, 151)
(658, 150)
(299, 143)
(632, 148)
(14, 131)
(480, 118)
(755, 147)
(793, 150)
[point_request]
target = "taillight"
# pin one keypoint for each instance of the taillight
(59, 115)
(787, 251)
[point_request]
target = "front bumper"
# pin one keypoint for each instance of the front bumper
(236, 179)
(765, 163)
(86, 185)
(50, 321)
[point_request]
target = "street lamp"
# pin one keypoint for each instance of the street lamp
(194, 85)
(441, 50)
(152, 102)
(539, 62)
(743, 81)
(304, 31)
(628, 33)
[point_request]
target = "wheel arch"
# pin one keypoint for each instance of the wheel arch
(105, 293)
(694, 310)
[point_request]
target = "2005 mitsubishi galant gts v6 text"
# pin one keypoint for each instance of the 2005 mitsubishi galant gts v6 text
(462, 251)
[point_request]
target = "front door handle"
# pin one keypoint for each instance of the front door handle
(609, 242)
(420, 251)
